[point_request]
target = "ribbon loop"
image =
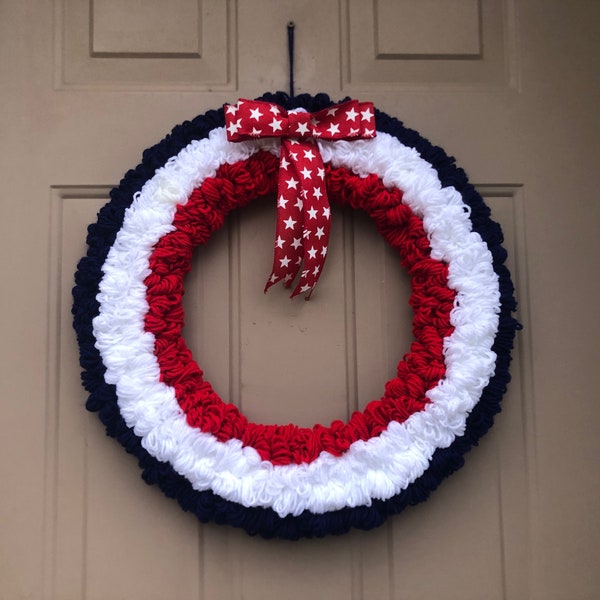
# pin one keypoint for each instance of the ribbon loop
(303, 213)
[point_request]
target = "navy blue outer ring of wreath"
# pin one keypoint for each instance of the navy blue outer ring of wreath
(206, 505)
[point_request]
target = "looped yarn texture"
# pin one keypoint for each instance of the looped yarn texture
(284, 480)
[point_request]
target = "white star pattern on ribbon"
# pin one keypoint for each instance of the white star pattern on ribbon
(306, 173)
(351, 114)
(233, 127)
(302, 128)
(255, 113)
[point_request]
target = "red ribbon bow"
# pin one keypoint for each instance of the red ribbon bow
(303, 214)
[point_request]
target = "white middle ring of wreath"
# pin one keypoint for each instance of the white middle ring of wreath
(378, 468)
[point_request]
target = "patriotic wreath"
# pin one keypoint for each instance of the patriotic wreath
(283, 480)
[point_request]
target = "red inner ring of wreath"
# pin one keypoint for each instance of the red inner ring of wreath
(421, 369)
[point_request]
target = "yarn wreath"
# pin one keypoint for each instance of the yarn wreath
(283, 480)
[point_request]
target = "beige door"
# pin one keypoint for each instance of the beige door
(510, 87)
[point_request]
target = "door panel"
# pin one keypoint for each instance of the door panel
(509, 89)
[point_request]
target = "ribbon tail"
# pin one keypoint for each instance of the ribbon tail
(287, 255)
(316, 217)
